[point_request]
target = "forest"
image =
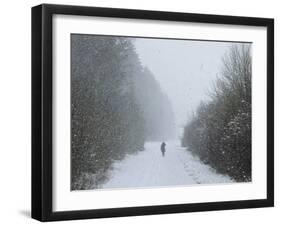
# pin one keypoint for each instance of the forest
(219, 132)
(116, 105)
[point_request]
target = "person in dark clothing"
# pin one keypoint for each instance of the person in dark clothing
(163, 149)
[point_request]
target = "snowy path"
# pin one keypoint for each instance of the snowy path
(148, 168)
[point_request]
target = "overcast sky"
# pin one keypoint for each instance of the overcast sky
(185, 70)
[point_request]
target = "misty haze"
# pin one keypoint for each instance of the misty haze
(152, 112)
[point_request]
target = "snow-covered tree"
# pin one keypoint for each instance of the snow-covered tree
(106, 120)
(220, 131)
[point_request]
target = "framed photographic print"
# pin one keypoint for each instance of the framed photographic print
(145, 112)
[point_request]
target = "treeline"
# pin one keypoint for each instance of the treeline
(108, 119)
(220, 130)
(156, 108)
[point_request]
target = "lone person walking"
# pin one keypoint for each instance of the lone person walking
(163, 149)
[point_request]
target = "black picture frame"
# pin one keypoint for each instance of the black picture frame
(42, 107)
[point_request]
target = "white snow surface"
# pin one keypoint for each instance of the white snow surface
(149, 168)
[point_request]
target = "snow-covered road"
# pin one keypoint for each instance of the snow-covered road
(148, 168)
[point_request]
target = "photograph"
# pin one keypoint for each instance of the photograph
(142, 112)
(149, 112)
